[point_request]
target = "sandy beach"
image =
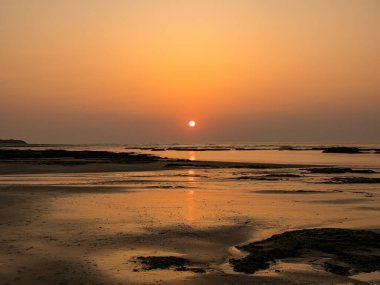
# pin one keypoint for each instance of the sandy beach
(93, 223)
(185, 142)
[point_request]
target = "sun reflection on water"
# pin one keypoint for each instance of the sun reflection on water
(191, 177)
(190, 215)
(192, 155)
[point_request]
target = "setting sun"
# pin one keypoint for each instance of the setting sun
(189, 142)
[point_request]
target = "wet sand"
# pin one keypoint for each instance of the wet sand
(30, 167)
(90, 228)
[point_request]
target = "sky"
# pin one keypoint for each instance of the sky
(123, 71)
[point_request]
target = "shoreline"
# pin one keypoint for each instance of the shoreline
(17, 161)
(185, 222)
(35, 167)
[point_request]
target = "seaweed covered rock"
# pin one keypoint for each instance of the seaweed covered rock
(161, 262)
(167, 262)
(338, 170)
(342, 149)
(353, 180)
(353, 251)
(92, 155)
(270, 177)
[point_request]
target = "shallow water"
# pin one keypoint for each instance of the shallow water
(107, 219)
(275, 156)
(267, 153)
(204, 197)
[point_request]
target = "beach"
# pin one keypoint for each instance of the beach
(189, 142)
(95, 223)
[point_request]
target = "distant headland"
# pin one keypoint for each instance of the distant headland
(12, 142)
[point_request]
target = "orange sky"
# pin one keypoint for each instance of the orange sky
(136, 71)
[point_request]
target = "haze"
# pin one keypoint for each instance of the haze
(137, 71)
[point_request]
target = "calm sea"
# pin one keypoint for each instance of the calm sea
(262, 153)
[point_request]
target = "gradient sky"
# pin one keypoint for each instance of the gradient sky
(119, 71)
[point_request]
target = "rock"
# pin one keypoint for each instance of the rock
(162, 262)
(12, 142)
(192, 269)
(269, 177)
(336, 269)
(337, 170)
(341, 149)
(167, 262)
(105, 156)
(353, 180)
(288, 147)
(351, 250)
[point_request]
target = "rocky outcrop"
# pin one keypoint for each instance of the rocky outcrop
(12, 142)
(351, 251)
(342, 149)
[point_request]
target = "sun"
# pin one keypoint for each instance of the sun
(192, 124)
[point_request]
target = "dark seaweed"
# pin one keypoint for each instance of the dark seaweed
(337, 170)
(352, 180)
(346, 245)
(161, 262)
(66, 154)
(341, 149)
(167, 262)
(336, 269)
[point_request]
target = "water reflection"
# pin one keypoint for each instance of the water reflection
(192, 155)
(190, 215)
(191, 176)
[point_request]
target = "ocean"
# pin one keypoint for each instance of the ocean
(105, 220)
(260, 153)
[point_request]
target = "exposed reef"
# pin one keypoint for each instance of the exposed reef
(349, 251)
(338, 170)
(342, 149)
(352, 180)
(167, 262)
(270, 177)
(51, 156)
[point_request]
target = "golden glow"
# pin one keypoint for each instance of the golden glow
(192, 124)
(121, 66)
(190, 208)
(192, 155)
